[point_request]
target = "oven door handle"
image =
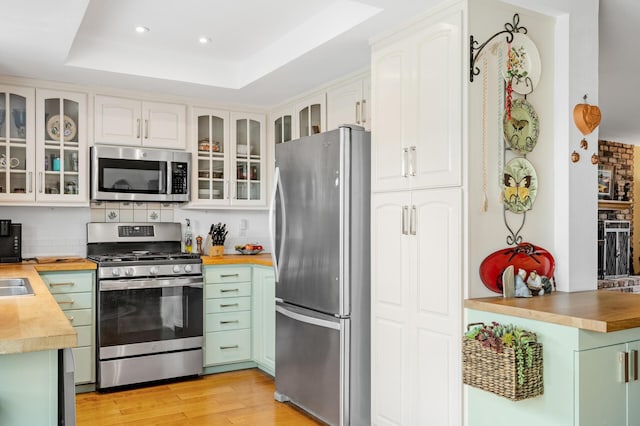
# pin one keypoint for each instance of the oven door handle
(142, 283)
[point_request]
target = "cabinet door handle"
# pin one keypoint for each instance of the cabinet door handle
(230, 322)
(229, 275)
(412, 161)
(138, 124)
(229, 290)
(66, 302)
(412, 221)
(228, 305)
(405, 160)
(623, 360)
(146, 129)
(363, 112)
(229, 347)
(405, 213)
(70, 283)
(634, 365)
(358, 112)
(70, 319)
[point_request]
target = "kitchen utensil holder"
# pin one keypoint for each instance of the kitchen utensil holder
(496, 372)
(216, 251)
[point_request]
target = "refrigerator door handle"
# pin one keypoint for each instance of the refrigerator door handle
(277, 186)
(308, 320)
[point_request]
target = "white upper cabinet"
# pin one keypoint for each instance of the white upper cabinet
(310, 116)
(122, 121)
(417, 110)
(349, 104)
(248, 160)
(282, 125)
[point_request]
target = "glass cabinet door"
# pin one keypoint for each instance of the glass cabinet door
(249, 156)
(212, 155)
(310, 120)
(16, 143)
(61, 154)
(282, 127)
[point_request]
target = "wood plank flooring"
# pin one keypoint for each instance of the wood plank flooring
(236, 398)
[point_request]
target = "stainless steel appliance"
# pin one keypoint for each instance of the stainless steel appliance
(66, 388)
(139, 174)
(320, 226)
(149, 303)
(10, 241)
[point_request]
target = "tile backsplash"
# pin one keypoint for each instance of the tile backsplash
(129, 211)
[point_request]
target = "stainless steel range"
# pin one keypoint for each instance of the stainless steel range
(149, 303)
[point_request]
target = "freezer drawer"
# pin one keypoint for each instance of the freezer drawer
(310, 361)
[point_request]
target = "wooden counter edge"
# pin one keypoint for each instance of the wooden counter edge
(263, 259)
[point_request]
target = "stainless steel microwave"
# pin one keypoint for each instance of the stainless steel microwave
(139, 174)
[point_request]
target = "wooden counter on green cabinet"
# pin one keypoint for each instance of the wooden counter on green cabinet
(263, 259)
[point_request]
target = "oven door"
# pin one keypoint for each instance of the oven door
(146, 316)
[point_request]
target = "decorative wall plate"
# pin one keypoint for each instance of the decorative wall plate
(523, 66)
(522, 129)
(520, 185)
(68, 129)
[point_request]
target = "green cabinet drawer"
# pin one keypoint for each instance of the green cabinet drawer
(227, 304)
(85, 335)
(227, 346)
(228, 321)
(226, 274)
(228, 290)
(68, 282)
(69, 301)
(79, 317)
(83, 359)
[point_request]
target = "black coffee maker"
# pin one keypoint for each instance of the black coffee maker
(10, 241)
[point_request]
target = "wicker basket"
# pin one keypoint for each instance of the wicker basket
(486, 369)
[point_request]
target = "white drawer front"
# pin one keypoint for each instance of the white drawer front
(228, 304)
(228, 321)
(74, 300)
(66, 282)
(228, 346)
(79, 317)
(228, 290)
(84, 335)
(227, 274)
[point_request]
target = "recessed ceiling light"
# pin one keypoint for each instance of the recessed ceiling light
(204, 40)
(140, 29)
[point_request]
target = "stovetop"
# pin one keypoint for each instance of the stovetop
(143, 256)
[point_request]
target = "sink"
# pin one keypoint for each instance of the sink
(15, 287)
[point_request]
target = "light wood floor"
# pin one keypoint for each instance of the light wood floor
(237, 398)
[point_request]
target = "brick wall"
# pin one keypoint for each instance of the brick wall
(620, 156)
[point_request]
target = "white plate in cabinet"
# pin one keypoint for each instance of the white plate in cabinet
(228, 346)
(228, 304)
(228, 321)
(74, 300)
(228, 290)
(227, 275)
(68, 283)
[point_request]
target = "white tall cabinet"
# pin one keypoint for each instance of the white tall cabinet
(417, 217)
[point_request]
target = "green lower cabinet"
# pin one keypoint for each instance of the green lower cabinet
(74, 292)
(583, 374)
(239, 317)
(264, 319)
(29, 388)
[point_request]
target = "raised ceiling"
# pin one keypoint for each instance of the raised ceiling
(260, 52)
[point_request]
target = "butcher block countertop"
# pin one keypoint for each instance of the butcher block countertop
(238, 259)
(35, 323)
(598, 310)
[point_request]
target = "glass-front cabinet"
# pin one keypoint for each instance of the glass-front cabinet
(310, 115)
(61, 146)
(17, 143)
(248, 135)
(230, 166)
(282, 126)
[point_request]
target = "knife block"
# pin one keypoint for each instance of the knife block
(216, 251)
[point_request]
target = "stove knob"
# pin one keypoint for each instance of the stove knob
(176, 269)
(187, 268)
(115, 272)
(153, 270)
(128, 271)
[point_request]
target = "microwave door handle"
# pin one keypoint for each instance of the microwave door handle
(166, 184)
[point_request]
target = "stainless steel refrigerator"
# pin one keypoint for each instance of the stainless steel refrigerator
(320, 224)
